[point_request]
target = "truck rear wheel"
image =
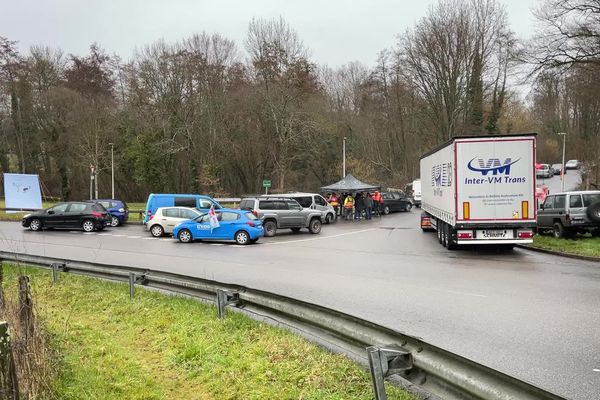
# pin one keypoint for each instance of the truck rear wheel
(450, 243)
(439, 231)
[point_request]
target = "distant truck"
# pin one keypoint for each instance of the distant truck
(480, 190)
(416, 192)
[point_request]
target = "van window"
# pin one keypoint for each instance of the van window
(575, 201)
(266, 205)
(549, 203)
(204, 203)
(560, 201)
(171, 212)
(185, 202)
(589, 199)
(247, 204)
(305, 201)
(320, 201)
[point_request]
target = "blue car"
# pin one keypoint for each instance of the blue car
(118, 210)
(241, 226)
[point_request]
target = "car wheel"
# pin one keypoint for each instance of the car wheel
(558, 230)
(242, 237)
(87, 225)
(386, 210)
(114, 221)
(295, 230)
(184, 235)
(329, 218)
(157, 230)
(35, 224)
(408, 207)
(314, 226)
(270, 228)
(593, 212)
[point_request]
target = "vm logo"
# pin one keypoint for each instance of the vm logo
(492, 165)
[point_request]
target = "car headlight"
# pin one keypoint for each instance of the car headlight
(26, 215)
(121, 210)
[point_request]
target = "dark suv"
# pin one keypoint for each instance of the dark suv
(281, 212)
(566, 214)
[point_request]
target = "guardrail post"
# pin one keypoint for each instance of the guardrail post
(133, 279)
(384, 362)
(26, 307)
(9, 388)
(56, 267)
(225, 298)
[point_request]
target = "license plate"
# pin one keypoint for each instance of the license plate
(491, 234)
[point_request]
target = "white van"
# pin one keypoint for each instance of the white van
(313, 201)
(416, 192)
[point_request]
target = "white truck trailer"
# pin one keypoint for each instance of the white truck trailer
(480, 190)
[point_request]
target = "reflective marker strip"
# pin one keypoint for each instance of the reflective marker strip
(466, 210)
(525, 209)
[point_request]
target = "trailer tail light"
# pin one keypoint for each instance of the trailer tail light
(425, 222)
(466, 210)
(525, 234)
(464, 235)
(525, 209)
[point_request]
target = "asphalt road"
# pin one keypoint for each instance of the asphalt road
(554, 184)
(530, 315)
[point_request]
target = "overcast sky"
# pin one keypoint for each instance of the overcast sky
(336, 31)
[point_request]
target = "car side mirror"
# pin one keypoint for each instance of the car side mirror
(50, 212)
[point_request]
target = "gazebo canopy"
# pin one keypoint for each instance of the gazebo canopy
(349, 184)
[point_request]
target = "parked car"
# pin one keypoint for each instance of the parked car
(571, 212)
(198, 201)
(544, 171)
(241, 226)
(118, 210)
(557, 168)
(572, 164)
(394, 201)
(282, 213)
(69, 215)
(165, 219)
(312, 201)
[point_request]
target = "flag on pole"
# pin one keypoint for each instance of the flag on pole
(214, 221)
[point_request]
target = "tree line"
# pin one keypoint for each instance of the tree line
(208, 115)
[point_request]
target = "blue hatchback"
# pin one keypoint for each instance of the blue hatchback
(241, 226)
(118, 210)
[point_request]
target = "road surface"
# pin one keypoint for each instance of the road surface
(531, 315)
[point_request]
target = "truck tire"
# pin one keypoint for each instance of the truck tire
(314, 226)
(270, 228)
(439, 231)
(450, 243)
(559, 230)
(593, 212)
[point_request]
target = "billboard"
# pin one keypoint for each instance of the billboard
(22, 191)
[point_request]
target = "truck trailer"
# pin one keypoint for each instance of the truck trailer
(480, 190)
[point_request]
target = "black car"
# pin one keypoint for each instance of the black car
(393, 201)
(70, 215)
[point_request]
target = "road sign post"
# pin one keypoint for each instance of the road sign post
(266, 185)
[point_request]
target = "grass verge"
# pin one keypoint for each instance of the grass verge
(583, 245)
(164, 347)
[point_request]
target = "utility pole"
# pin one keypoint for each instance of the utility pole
(562, 170)
(112, 169)
(91, 182)
(344, 159)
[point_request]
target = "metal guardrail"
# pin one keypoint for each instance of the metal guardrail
(414, 362)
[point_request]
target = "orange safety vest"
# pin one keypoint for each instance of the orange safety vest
(349, 202)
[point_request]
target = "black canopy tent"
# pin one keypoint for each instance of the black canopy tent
(349, 184)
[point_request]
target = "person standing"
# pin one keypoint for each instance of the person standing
(348, 206)
(376, 198)
(334, 201)
(380, 204)
(369, 206)
(359, 205)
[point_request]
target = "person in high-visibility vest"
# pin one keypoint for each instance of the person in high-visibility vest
(348, 206)
(333, 200)
(376, 203)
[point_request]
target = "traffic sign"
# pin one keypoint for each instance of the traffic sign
(266, 183)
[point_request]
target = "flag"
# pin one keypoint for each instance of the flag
(214, 221)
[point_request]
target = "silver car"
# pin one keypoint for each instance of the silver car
(166, 218)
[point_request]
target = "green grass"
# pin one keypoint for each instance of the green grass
(584, 245)
(164, 347)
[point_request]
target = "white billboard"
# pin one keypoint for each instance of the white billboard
(22, 191)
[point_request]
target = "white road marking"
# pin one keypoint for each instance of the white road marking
(217, 244)
(104, 234)
(596, 370)
(73, 232)
(466, 293)
(89, 233)
(150, 238)
(321, 237)
(133, 237)
(118, 235)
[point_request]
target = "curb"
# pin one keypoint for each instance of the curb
(556, 253)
